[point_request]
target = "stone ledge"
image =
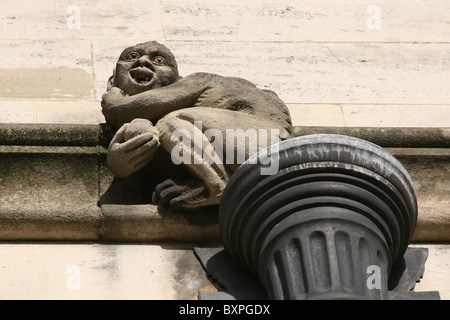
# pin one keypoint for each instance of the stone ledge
(144, 223)
(433, 224)
(389, 137)
(32, 223)
(86, 135)
(53, 177)
(108, 223)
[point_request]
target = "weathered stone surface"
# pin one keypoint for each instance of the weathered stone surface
(50, 112)
(433, 224)
(389, 137)
(68, 112)
(17, 112)
(430, 173)
(49, 135)
(53, 223)
(55, 185)
(49, 193)
(60, 83)
(81, 20)
(144, 223)
(316, 53)
(97, 271)
(305, 21)
(44, 53)
(397, 115)
(362, 74)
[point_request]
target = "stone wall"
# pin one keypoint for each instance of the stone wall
(55, 185)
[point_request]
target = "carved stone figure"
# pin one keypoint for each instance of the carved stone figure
(147, 101)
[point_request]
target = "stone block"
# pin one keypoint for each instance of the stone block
(305, 21)
(49, 182)
(49, 193)
(145, 223)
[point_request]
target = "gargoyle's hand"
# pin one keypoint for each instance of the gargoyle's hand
(110, 101)
(127, 157)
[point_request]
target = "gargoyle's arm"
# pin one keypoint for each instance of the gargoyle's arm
(156, 103)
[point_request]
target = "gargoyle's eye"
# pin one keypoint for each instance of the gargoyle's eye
(159, 60)
(133, 56)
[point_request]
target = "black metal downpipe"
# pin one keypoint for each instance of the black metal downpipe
(338, 210)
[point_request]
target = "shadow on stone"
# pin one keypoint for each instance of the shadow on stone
(238, 284)
(407, 273)
(139, 187)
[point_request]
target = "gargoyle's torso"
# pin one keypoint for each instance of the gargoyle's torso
(240, 95)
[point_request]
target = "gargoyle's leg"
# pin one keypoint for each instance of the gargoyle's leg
(195, 126)
(209, 179)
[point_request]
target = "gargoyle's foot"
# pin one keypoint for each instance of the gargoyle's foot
(188, 194)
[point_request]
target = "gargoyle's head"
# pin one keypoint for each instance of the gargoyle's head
(143, 67)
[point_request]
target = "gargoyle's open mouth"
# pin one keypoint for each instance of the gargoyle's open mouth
(142, 75)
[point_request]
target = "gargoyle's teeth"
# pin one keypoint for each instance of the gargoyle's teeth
(141, 75)
(143, 80)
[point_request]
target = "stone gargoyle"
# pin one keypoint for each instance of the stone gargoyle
(204, 124)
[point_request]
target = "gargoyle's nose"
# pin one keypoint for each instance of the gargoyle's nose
(144, 61)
